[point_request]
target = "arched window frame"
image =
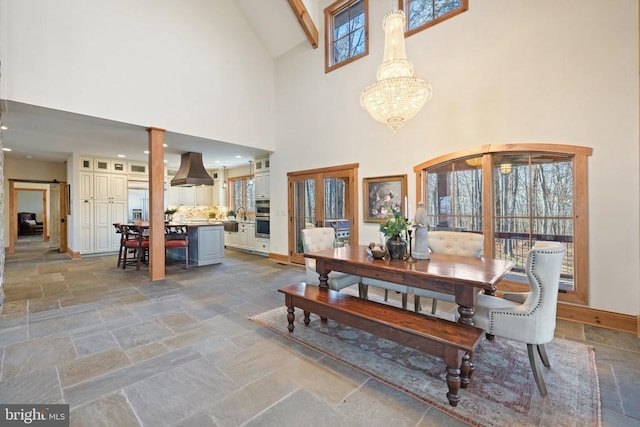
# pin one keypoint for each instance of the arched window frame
(490, 155)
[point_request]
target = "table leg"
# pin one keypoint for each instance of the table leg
(466, 314)
(307, 320)
(290, 317)
(453, 359)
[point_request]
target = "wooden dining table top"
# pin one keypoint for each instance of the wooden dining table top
(471, 271)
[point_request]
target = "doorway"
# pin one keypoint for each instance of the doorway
(322, 198)
(53, 212)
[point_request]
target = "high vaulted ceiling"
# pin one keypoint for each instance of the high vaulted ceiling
(52, 135)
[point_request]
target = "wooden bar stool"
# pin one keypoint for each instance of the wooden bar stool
(136, 240)
(177, 236)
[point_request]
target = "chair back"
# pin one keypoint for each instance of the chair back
(316, 239)
(543, 267)
(456, 243)
(176, 235)
(133, 235)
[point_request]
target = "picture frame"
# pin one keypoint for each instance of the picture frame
(383, 195)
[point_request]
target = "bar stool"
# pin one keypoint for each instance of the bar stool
(134, 239)
(176, 236)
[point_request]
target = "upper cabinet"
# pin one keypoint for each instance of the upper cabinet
(261, 165)
(262, 179)
(111, 166)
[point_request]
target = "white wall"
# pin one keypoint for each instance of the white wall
(191, 66)
(517, 71)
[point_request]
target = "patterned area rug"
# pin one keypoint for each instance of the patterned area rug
(502, 392)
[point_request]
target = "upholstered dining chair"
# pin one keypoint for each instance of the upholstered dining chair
(528, 317)
(448, 242)
(123, 239)
(138, 242)
(317, 239)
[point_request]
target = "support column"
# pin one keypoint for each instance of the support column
(156, 204)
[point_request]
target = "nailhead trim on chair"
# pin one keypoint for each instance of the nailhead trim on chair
(537, 280)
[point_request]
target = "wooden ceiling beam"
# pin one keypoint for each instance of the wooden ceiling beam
(305, 21)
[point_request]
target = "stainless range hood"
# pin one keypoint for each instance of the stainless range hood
(191, 172)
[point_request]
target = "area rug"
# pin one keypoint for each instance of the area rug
(502, 392)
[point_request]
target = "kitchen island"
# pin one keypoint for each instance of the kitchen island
(206, 243)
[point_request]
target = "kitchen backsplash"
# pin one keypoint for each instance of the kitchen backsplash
(185, 213)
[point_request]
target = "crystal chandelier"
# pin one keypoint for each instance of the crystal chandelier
(397, 96)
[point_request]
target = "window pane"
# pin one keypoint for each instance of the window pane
(553, 188)
(237, 194)
(335, 198)
(341, 50)
(423, 12)
(347, 35)
(357, 42)
(511, 186)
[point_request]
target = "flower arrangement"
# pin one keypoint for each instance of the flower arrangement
(394, 226)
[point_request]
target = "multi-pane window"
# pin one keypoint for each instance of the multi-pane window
(516, 198)
(533, 200)
(346, 32)
(241, 193)
(423, 14)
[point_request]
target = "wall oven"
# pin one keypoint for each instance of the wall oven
(262, 218)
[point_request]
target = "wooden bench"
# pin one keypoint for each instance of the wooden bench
(453, 342)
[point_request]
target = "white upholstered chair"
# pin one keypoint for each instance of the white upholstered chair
(387, 286)
(448, 242)
(317, 239)
(528, 317)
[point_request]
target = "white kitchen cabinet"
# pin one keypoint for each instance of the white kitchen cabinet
(181, 196)
(261, 165)
(262, 245)
(86, 186)
(244, 238)
(111, 166)
(86, 226)
(262, 185)
(203, 195)
(110, 186)
(106, 213)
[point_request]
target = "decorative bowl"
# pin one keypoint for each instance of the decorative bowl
(377, 252)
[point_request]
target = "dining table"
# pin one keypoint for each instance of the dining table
(458, 275)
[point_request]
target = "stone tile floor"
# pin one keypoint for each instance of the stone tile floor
(125, 351)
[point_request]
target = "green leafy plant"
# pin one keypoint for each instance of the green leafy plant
(394, 226)
(170, 211)
(231, 213)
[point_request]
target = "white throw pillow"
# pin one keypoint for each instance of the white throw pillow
(30, 221)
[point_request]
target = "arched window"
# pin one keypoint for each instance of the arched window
(515, 194)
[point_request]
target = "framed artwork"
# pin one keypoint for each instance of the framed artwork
(383, 196)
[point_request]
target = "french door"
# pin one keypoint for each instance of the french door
(322, 198)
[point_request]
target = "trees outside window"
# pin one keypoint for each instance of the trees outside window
(241, 193)
(346, 32)
(515, 195)
(422, 14)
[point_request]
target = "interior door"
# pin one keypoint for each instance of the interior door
(319, 199)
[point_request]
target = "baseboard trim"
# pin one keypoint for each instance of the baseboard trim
(72, 254)
(279, 257)
(601, 318)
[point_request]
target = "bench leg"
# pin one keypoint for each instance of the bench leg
(290, 317)
(453, 359)
(466, 369)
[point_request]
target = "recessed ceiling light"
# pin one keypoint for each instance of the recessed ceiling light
(216, 161)
(121, 155)
(166, 161)
(164, 145)
(3, 127)
(6, 149)
(146, 151)
(238, 157)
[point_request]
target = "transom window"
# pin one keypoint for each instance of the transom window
(346, 32)
(422, 14)
(515, 195)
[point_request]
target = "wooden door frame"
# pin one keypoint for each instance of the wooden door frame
(352, 202)
(13, 211)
